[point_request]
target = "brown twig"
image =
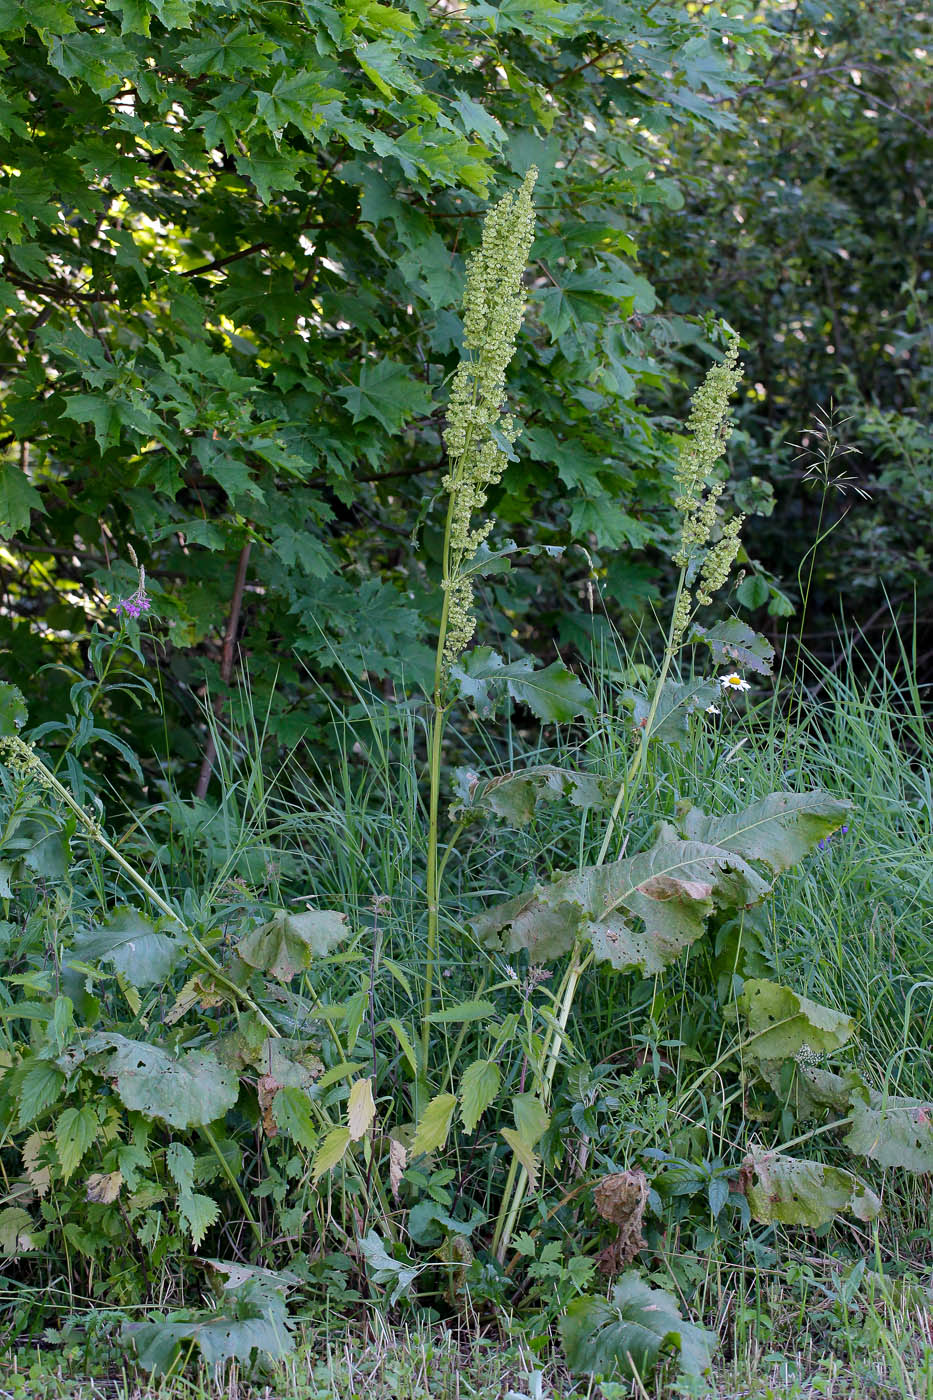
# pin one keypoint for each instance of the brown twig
(226, 666)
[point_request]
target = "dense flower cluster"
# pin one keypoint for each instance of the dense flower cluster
(138, 602)
(479, 433)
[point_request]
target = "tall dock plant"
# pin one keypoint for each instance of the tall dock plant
(478, 439)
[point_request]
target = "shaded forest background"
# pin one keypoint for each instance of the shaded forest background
(234, 241)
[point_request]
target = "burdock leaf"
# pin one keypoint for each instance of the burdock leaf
(187, 1091)
(788, 1191)
(288, 943)
(514, 796)
(893, 1131)
(142, 950)
(677, 702)
(734, 643)
(779, 830)
(553, 694)
(253, 1319)
(781, 1023)
(629, 1334)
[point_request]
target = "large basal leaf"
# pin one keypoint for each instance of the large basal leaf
(640, 912)
(553, 693)
(186, 1091)
(779, 830)
(514, 796)
(288, 943)
(141, 949)
(893, 1131)
(253, 1319)
(787, 1191)
(678, 701)
(629, 1334)
(781, 1023)
(809, 1091)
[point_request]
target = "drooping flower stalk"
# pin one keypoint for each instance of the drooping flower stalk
(478, 437)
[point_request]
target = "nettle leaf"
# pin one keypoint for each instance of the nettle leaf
(893, 1131)
(75, 1130)
(137, 947)
(525, 1153)
(478, 1088)
(291, 1111)
(781, 1023)
(361, 1109)
(13, 713)
(779, 830)
(288, 943)
(387, 392)
(434, 1125)
(35, 1085)
(640, 912)
(733, 642)
(478, 1010)
(632, 1332)
(253, 1319)
(514, 796)
(16, 1232)
(331, 1152)
(787, 1191)
(187, 1091)
(678, 701)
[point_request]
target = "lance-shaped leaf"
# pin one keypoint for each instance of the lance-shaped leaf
(187, 1091)
(629, 1334)
(893, 1131)
(734, 643)
(779, 830)
(787, 1191)
(514, 796)
(640, 912)
(361, 1108)
(142, 950)
(781, 1023)
(288, 943)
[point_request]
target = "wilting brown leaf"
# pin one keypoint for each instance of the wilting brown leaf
(267, 1086)
(103, 1187)
(621, 1199)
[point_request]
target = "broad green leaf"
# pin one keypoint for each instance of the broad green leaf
(628, 1335)
(734, 643)
(387, 392)
(331, 1152)
(13, 712)
(18, 499)
(253, 1319)
(779, 830)
(186, 1091)
(781, 1023)
(893, 1131)
(553, 694)
(514, 796)
(291, 1110)
(463, 1011)
(434, 1125)
(640, 912)
(180, 1161)
(678, 701)
(478, 1088)
(75, 1130)
(141, 949)
(16, 1232)
(810, 1091)
(361, 1109)
(383, 1269)
(288, 943)
(789, 1191)
(199, 1213)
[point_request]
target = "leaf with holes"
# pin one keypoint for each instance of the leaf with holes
(778, 831)
(893, 1131)
(632, 1332)
(781, 1023)
(734, 643)
(789, 1191)
(288, 943)
(187, 1091)
(291, 1111)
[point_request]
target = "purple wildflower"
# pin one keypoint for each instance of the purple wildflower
(826, 839)
(138, 602)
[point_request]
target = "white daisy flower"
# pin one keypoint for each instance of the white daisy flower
(733, 682)
(712, 709)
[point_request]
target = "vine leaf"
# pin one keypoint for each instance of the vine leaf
(288, 943)
(893, 1131)
(631, 1332)
(788, 1191)
(783, 1023)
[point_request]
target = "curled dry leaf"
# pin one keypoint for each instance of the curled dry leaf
(267, 1086)
(103, 1187)
(621, 1199)
(398, 1158)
